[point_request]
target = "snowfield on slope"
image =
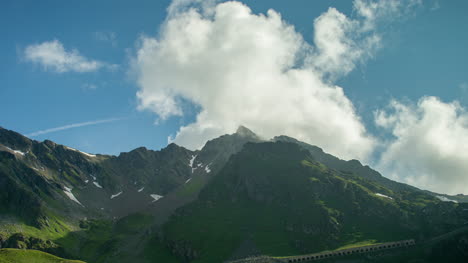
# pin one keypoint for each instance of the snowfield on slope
(70, 195)
(156, 197)
(382, 195)
(117, 194)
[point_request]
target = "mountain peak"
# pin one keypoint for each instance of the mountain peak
(245, 132)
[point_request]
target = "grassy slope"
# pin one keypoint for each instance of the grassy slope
(56, 228)
(125, 240)
(9, 255)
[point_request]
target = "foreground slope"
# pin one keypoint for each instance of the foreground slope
(9, 255)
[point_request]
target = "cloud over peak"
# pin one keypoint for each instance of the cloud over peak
(52, 55)
(256, 70)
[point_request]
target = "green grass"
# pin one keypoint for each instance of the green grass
(124, 240)
(56, 228)
(156, 251)
(132, 224)
(191, 188)
(359, 244)
(90, 243)
(10, 255)
(315, 165)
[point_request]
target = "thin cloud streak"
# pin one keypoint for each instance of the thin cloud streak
(71, 126)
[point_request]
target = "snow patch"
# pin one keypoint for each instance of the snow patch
(70, 195)
(87, 154)
(97, 184)
(381, 195)
(139, 190)
(200, 164)
(86, 181)
(188, 180)
(114, 196)
(207, 169)
(156, 197)
(192, 160)
(94, 177)
(445, 199)
(16, 151)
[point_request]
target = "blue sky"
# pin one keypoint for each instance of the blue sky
(421, 52)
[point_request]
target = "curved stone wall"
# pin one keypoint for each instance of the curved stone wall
(349, 251)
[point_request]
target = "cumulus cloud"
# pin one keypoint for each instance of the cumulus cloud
(430, 145)
(256, 70)
(341, 43)
(53, 56)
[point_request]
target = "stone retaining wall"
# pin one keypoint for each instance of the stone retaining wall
(349, 251)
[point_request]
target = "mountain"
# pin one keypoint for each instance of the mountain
(238, 196)
(278, 198)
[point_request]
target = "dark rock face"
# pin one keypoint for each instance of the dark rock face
(19, 194)
(14, 140)
(246, 133)
(2, 241)
(351, 166)
(31, 171)
(462, 245)
(217, 152)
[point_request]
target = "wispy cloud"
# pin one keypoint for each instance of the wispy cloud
(435, 6)
(89, 86)
(71, 126)
(110, 37)
(52, 55)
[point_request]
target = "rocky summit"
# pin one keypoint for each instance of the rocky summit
(240, 198)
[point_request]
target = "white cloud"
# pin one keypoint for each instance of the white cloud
(53, 56)
(110, 37)
(89, 86)
(71, 126)
(435, 5)
(256, 70)
(341, 43)
(430, 145)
